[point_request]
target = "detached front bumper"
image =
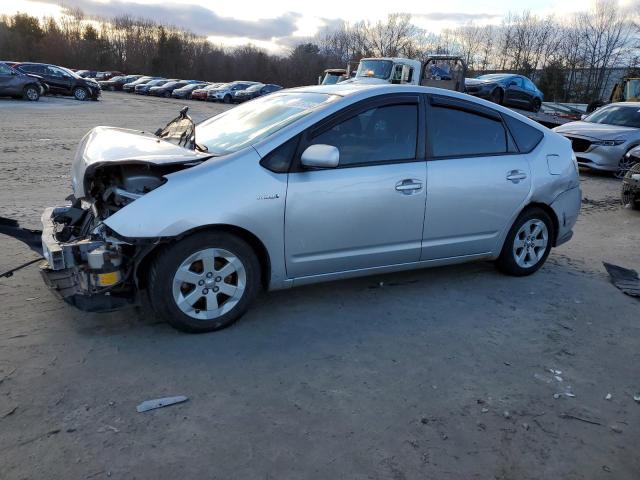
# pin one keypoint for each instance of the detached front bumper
(87, 272)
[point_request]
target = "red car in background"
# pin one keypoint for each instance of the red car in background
(201, 93)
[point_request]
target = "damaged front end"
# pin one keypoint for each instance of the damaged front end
(87, 264)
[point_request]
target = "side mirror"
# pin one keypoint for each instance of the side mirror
(512, 84)
(582, 117)
(321, 156)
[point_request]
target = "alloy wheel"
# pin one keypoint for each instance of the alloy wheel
(209, 283)
(624, 165)
(80, 94)
(32, 94)
(530, 243)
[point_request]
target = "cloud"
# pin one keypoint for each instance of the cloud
(460, 17)
(197, 19)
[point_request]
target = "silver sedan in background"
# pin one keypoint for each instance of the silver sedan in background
(602, 139)
(302, 186)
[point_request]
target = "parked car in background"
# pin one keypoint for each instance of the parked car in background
(506, 89)
(116, 83)
(186, 91)
(255, 91)
(201, 93)
(204, 226)
(225, 93)
(16, 84)
(62, 81)
(86, 73)
(167, 88)
(144, 88)
(130, 87)
(602, 139)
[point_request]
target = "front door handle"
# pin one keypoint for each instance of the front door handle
(409, 186)
(516, 175)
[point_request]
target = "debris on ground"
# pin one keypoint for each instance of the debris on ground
(581, 419)
(607, 396)
(160, 402)
(626, 280)
(636, 397)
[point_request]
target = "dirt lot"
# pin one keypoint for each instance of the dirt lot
(441, 373)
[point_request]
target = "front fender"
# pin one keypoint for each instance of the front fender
(234, 191)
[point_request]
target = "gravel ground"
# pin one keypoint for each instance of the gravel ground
(441, 373)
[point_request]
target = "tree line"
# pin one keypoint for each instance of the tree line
(571, 59)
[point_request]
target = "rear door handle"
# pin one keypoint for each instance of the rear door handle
(409, 186)
(516, 175)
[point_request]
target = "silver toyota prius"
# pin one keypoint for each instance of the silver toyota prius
(302, 186)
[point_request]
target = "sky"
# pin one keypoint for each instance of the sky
(278, 24)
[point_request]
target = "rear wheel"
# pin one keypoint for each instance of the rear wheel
(537, 104)
(497, 96)
(204, 282)
(528, 243)
(80, 93)
(31, 93)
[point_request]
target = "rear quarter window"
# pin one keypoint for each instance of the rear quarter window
(526, 137)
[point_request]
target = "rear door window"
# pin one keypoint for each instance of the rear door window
(455, 132)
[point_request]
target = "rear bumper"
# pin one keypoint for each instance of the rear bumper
(567, 208)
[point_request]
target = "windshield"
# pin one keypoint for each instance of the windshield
(118, 78)
(156, 83)
(375, 69)
(621, 115)
(254, 121)
(171, 84)
(331, 78)
(254, 88)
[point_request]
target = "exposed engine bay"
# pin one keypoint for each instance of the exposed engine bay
(87, 264)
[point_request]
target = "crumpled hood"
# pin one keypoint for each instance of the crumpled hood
(110, 145)
(598, 131)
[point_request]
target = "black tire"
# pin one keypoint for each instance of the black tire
(506, 262)
(537, 104)
(31, 93)
(227, 99)
(497, 96)
(624, 165)
(167, 95)
(163, 268)
(80, 93)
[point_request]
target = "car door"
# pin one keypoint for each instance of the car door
(369, 211)
(515, 94)
(10, 82)
(57, 80)
(477, 180)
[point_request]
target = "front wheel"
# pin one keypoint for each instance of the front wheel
(227, 99)
(624, 165)
(31, 93)
(528, 244)
(80, 93)
(204, 282)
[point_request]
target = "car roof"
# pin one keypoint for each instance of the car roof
(364, 91)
